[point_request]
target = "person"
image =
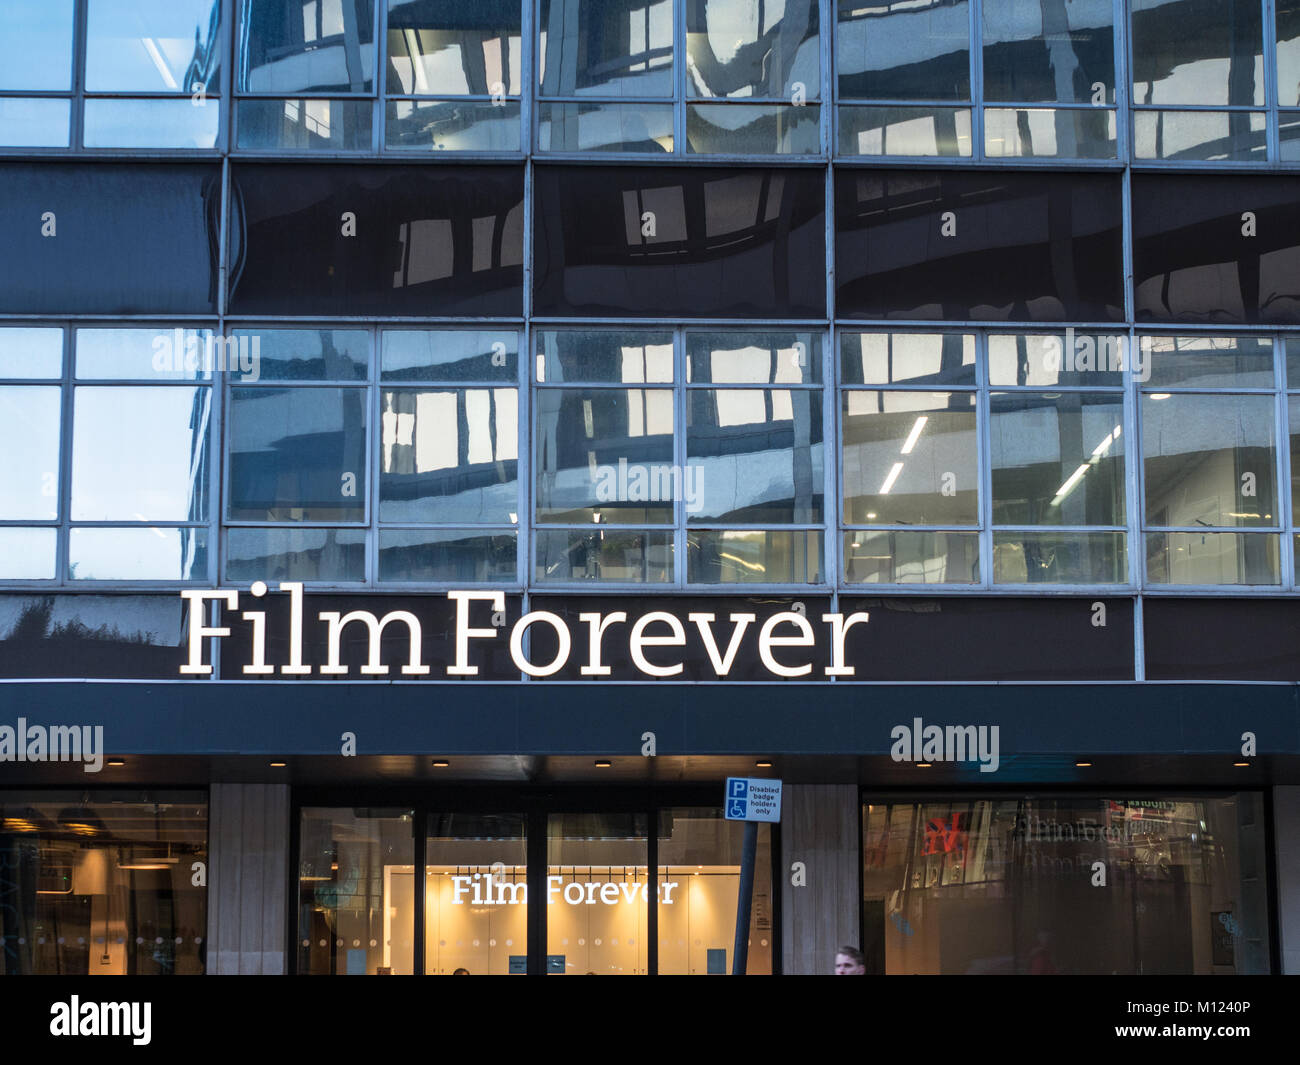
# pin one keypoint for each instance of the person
(849, 961)
(460, 972)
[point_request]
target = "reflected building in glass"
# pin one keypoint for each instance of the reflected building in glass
(444, 442)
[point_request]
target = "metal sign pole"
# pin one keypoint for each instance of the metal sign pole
(744, 904)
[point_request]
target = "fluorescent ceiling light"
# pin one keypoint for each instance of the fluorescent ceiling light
(159, 62)
(916, 431)
(889, 481)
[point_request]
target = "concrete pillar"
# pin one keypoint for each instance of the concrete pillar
(1286, 843)
(248, 877)
(820, 828)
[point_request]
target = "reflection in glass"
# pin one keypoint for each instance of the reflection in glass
(1022, 557)
(295, 554)
(1049, 51)
(738, 48)
(452, 125)
(1071, 359)
(1044, 132)
(297, 454)
(293, 47)
(612, 49)
(600, 554)
(469, 48)
(150, 124)
(449, 456)
(29, 122)
(634, 357)
(922, 131)
(140, 453)
(29, 442)
(606, 455)
(1190, 136)
(909, 458)
(754, 556)
(701, 854)
(37, 45)
(735, 358)
(753, 456)
(477, 556)
(1288, 52)
(304, 123)
(306, 354)
(1293, 414)
(907, 358)
(753, 129)
(902, 557)
(1208, 361)
(100, 883)
(597, 126)
(597, 894)
(1057, 458)
(27, 554)
(1209, 460)
(154, 46)
(903, 50)
(31, 352)
(1001, 886)
(1212, 558)
(449, 355)
(356, 892)
(138, 554)
(1186, 52)
(124, 354)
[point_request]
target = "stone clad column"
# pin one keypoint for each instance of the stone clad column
(820, 828)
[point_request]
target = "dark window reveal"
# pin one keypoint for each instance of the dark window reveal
(106, 238)
(623, 241)
(334, 240)
(1216, 249)
(996, 247)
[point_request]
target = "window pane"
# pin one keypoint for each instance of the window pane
(309, 124)
(1059, 558)
(1209, 460)
(1292, 362)
(295, 554)
(739, 48)
(356, 892)
(151, 124)
(1186, 52)
(939, 131)
(341, 240)
(907, 358)
(753, 456)
(1049, 133)
(1212, 558)
(153, 46)
(138, 554)
(1293, 415)
(177, 354)
(444, 50)
(1069, 359)
(754, 556)
(304, 354)
(1191, 136)
(1288, 52)
(449, 456)
(596, 126)
(902, 50)
(909, 458)
(654, 241)
(614, 48)
(476, 884)
(27, 554)
(33, 123)
(700, 854)
(452, 125)
(297, 454)
(604, 455)
(292, 46)
(901, 557)
(101, 883)
(1057, 459)
(29, 441)
(727, 358)
(140, 453)
(37, 45)
(1050, 52)
(753, 129)
(31, 352)
(614, 555)
(597, 886)
(635, 357)
(478, 556)
(450, 355)
(1208, 361)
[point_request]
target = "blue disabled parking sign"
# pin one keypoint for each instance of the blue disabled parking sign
(753, 799)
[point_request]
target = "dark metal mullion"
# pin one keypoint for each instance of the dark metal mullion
(537, 896)
(420, 830)
(76, 120)
(652, 893)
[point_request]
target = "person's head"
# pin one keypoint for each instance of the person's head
(849, 961)
(460, 972)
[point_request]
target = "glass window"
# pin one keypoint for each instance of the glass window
(30, 416)
(922, 130)
(1059, 557)
(604, 356)
(37, 38)
(356, 892)
(613, 555)
(157, 353)
(1049, 133)
(150, 123)
(300, 354)
(30, 122)
(450, 355)
(1288, 52)
(328, 555)
(1186, 52)
(897, 556)
(743, 49)
(477, 556)
(296, 46)
(27, 554)
(1207, 361)
(140, 553)
(1063, 53)
(992, 886)
(598, 126)
(1072, 359)
(31, 352)
(617, 48)
(752, 129)
(1212, 558)
(1193, 136)
(153, 46)
(907, 358)
(469, 49)
(304, 123)
(754, 556)
(100, 883)
(903, 50)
